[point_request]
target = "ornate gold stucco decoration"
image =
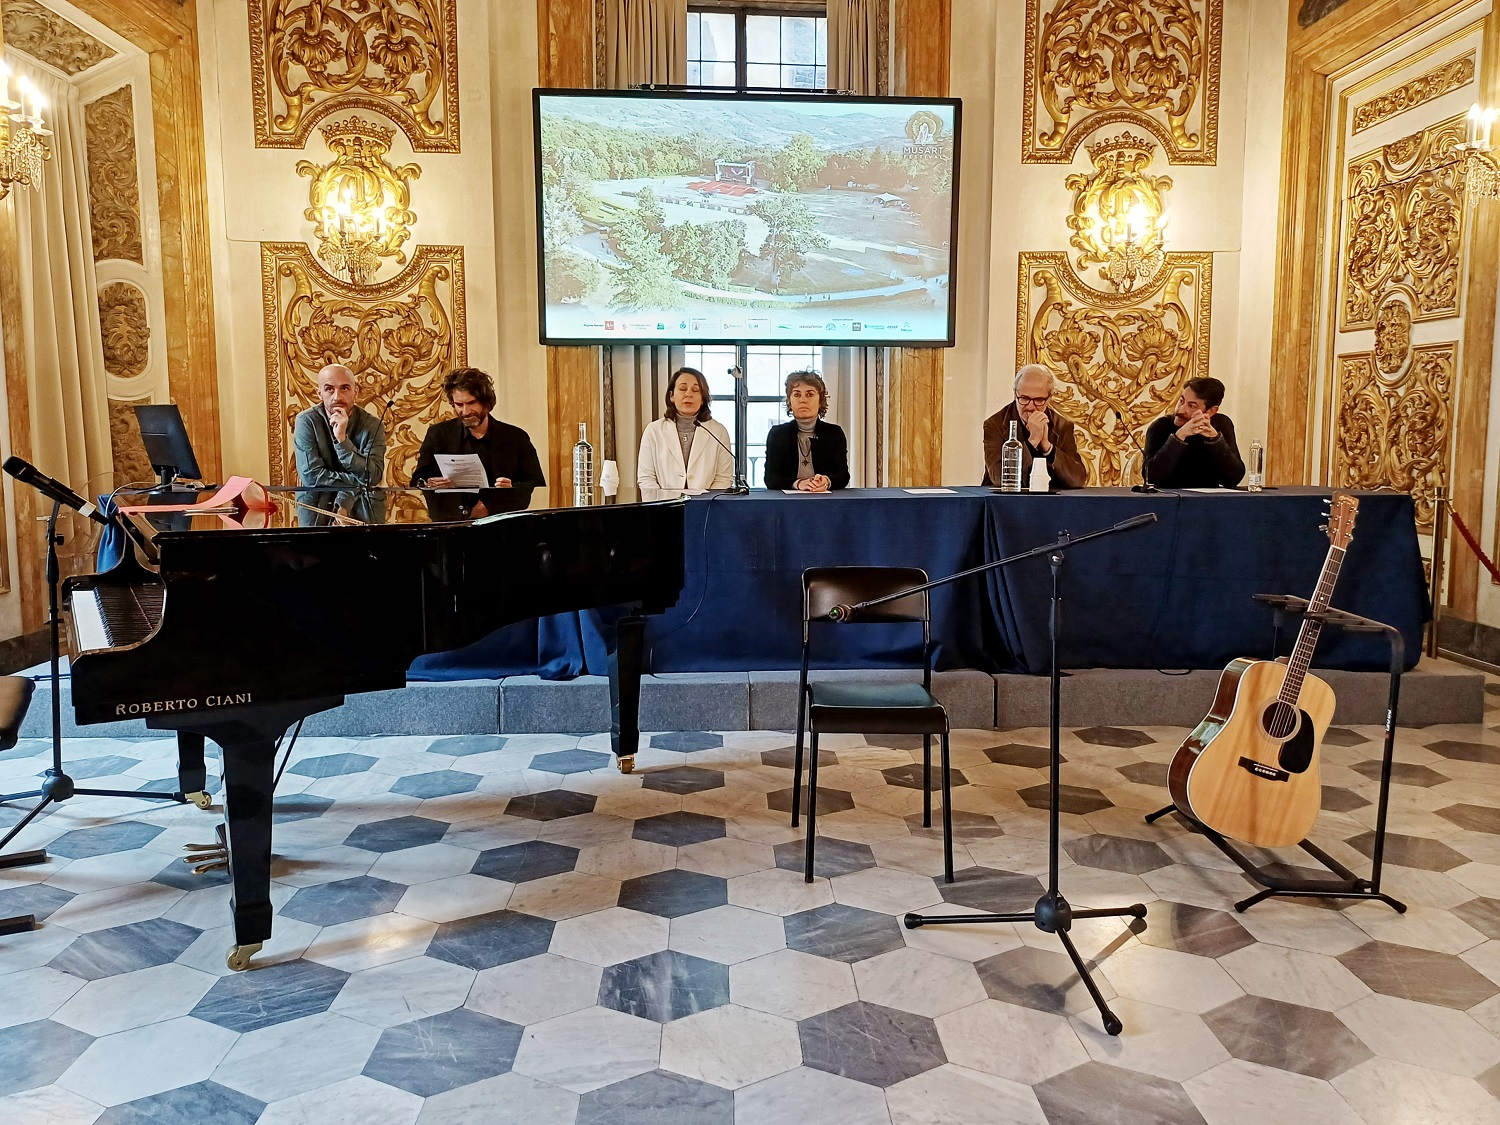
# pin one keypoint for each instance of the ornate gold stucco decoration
(359, 203)
(1153, 64)
(114, 187)
(1403, 225)
(398, 58)
(41, 33)
(126, 329)
(1117, 218)
(1434, 83)
(1392, 336)
(1127, 352)
(1395, 432)
(399, 338)
(132, 466)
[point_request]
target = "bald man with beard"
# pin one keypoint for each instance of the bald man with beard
(341, 447)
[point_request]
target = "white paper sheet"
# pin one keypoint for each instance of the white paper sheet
(464, 470)
(928, 491)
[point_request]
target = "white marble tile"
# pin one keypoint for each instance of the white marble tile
(811, 1096)
(1244, 1093)
(1294, 976)
(535, 989)
(1154, 1040)
(587, 1049)
(607, 937)
(403, 991)
(727, 934)
(367, 942)
(1170, 978)
(1384, 1092)
(34, 994)
(208, 908)
(778, 892)
(565, 896)
(1422, 1034)
(147, 1060)
(792, 984)
(1199, 886)
(913, 980)
(511, 1096)
(49, 1105)
(322, 865)
(965, 942)
(114, 906)
(884, 890)
(118, 1003)
(954, 1095)
(587, 830)
(354, 1101)
(289, 940)
(424, 864)
(730, 1046)
(727, 858)
(1485, 958)
(458, 896)
(1010, 1042)
(296, 1057)
(627, 859)
(1420, 926)
(32, 949)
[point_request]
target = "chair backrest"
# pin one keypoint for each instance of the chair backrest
(824, 587)
(15, 697)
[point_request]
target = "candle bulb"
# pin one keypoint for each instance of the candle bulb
(1475, 113)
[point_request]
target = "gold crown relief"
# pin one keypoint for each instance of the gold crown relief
(357, 129)
(1125, 142)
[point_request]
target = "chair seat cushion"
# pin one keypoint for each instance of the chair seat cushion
(875, 708)
(15, 697)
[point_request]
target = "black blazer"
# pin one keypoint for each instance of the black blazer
(830, 455)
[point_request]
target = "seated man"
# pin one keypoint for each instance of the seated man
(1043, 433)
(807, 453)
(1195, 447)
(341, 447)
(509, 459)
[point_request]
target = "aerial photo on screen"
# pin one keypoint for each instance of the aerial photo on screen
(727, 219)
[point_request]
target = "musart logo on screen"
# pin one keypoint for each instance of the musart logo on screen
(924, 128)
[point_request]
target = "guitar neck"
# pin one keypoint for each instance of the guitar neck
(1307, 637)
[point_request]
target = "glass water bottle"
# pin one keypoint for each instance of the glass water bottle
(583, 469)
(1010, 461)
(1255, 480)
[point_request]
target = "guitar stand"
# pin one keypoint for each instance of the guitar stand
(1344, 884)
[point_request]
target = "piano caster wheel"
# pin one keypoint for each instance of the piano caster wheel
(201, 799)
(626, 763)
(239, 956)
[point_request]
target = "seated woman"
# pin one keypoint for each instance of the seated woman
(675, 458)
(807, 453)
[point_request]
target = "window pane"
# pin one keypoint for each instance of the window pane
(763, 74)
(718, 74)
(822, 42)
(716, 37)
(692, 38)
(820, 78)
(763, 39)
(715, 362)
(799, 39)
(759, 418)
(800, 78)
(694, 74)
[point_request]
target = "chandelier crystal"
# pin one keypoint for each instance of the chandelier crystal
(1478, 168)
(23, 135)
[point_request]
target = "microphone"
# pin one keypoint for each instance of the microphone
(1135, 521)
(841, 613)
(1145, 485)
(28, 473)
(737, 371)
(739, 488)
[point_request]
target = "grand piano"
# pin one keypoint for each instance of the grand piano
(247, 623)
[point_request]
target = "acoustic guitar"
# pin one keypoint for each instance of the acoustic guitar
(1250, 769)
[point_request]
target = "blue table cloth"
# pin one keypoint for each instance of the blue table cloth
(1173, 595)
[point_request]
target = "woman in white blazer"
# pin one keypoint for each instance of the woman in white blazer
(678, 451)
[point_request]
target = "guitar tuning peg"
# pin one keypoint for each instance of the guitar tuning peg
(1323, 527)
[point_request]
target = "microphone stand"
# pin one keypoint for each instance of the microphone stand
(739, 487)
(1145, 485)
(1052, 914)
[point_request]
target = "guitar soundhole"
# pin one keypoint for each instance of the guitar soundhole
(1279, 719)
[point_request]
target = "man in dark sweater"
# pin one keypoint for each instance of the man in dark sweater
(1195, 447)
(509, 459)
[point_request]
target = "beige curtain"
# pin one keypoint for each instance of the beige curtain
(645, 41)
(854, 45)
(64, 350)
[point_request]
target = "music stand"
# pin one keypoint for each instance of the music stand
(167, 445)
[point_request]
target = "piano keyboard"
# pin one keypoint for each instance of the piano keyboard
(112, 616)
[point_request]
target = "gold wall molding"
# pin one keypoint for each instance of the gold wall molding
(1392, 336)
(1114, 351)
(131, 463)
(1403, 226)
(1396, 432)
(1153, 64)
(114, 182)
(1118, 200)
(399, 337)
(40, 32)
(126, 329)
(397, 58)
(1440, 80)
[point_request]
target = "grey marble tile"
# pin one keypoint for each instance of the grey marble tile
(1077, 799)
(438, 783)
(658, 1097)
(1403, 773)
(829, 800)
(35, 1054)
(985, 888)
(1113, 736)
(466, 745)
(679, 829)
(332, 765)
(1343, 736)
(521, 863)
(1193, 929)
(1481, 913)
(1418, 974)
(1099, 1094)
(487, 940)
(1459, 751)
(124, 949)
(664, 986)
(682, 779)
(870, 1043)
(343, 900)
(1336, 799)
(123, 836)
(397, 834)
(671, 894)
(910, 776)
(1020, 754)
(571, 761)
(1144, 773)
(37, 898)
(687, 741)
(842, 933)
(187, 1105)
(1040, 979)
(1117, 853)
(554, 804)
(106, 766)
(1476, 818)
(292, 807)
(1410, 851)
(270, 995)
(443, 1052)
(833, 856)
(785, 757)
(1307, 1041)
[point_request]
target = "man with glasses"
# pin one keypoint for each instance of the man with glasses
(1042, 430)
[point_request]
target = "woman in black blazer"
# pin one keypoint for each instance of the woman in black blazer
(807, 453)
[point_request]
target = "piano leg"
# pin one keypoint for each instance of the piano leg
(192, 775)
(249, 770)
(625, 691)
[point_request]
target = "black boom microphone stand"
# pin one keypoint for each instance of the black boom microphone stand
(56, 785)
(1053, 914)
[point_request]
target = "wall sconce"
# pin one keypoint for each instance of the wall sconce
(352, 228)
(23, 136)
(1134, 247)
(1119, 213)
(1479, 171)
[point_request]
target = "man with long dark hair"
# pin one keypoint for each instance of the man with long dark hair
(510, 461)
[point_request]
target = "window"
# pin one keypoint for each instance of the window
(740, 48)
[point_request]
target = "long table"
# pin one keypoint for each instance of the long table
(1176, 594)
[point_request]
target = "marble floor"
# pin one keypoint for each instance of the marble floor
(476, 929)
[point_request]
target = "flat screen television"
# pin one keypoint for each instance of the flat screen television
(712, 217)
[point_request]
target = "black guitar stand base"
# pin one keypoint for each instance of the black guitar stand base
(1344, 884)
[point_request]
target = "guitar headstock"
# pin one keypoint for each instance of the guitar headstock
(1341, 512)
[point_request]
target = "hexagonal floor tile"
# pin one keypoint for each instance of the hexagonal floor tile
(687, 741)
(679, 829)
(870, 1043)
(1194, 929)
(344, 900)
(1457, 751)
(1402, 773)
(1481, 913)
(292, 807)
(1418, 974)
(202, 1101)
(466, 745)
(985, 888)
(1041, 979)
(1287, 1036)
(730, 1046)
(277, 993)
(1074, 1097)
(829, 801)
(85, 842)
(35, 1054)
(521, 863)
(1072, 798)
(571, 761)
(487, 940)
(671, 894)
(554, 804)
(664, 986)
(124, 949)
(1411, 851)
(1343, 736)
(104, 766)
(437, 783)
(919, 982)
(832, 856)
(443, 1052)
(1476, 818)
(910, 776)
(1125, 737)
(683, 779)
(1117, 853)
(37, 899)
(397, 834)
(658, 1096)
(1144, 773)
(842, 933)
(1020, 754)
(1336, 799)
(727, 934)
(966, 826)
(332, 765)
(785, 757)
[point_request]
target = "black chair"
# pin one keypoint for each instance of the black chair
(842, 707)
(15, 698)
